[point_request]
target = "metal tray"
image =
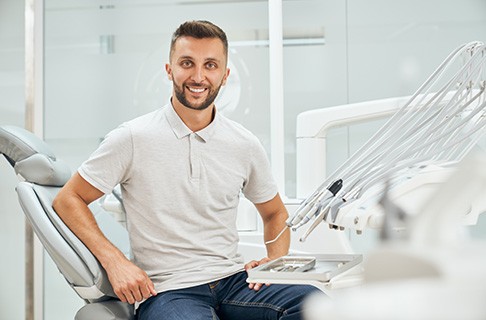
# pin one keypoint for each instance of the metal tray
(290, 264)
(321, 267)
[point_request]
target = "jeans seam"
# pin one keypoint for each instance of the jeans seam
(255, 304)
(215, 317)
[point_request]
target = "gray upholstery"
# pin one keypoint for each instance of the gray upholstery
(106, 310)
(44, 175)
(73, 259)
(31, 157)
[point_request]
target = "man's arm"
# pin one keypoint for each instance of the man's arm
(129, 282)
(274, 214)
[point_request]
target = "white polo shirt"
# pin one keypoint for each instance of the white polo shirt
(181, 191)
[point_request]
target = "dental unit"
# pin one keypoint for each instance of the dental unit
(394, 173)
(434, 129)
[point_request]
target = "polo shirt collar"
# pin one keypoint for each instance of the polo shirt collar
(181, 130)
(207, 132)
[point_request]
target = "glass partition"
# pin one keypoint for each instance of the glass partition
(12, 105)
(315, 66)
(352, 51)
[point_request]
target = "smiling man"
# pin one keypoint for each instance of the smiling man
(197, 81)
(181, 170)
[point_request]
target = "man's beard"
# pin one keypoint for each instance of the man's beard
(179, 93)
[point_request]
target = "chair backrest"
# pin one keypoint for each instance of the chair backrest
(44, 175)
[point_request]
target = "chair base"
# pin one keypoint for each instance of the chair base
(106, 310)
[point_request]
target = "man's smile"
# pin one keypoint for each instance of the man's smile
(196, 89)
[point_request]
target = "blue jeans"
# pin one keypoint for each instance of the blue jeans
(227, 299)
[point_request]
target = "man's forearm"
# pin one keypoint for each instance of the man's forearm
(274, 214)
(273, 227)
(79, 219)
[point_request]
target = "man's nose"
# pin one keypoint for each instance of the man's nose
(198, 74)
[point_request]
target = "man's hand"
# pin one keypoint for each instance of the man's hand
(130, 283)
(253, 264)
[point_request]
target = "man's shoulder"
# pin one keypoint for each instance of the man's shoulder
(138, 128)
(236, 129)
(147, 119)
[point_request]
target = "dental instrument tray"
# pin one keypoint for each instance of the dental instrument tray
(290, 264)
(321, 267)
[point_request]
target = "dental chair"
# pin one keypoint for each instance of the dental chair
(42, 175)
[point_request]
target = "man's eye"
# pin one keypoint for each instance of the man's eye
(186, 64)
(211, 65)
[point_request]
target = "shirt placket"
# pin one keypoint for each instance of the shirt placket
(194, 150)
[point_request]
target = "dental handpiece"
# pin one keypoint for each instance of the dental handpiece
(306, 212)
(303, 209)
(316, 209)
(317, 221)
(312, 208)
(308, 207)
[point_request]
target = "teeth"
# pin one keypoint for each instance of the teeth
(196, 90)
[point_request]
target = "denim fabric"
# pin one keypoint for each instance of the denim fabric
(227, 299)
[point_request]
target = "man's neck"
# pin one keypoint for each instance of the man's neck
(194, 119)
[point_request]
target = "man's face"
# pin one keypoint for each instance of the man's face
(197, 69)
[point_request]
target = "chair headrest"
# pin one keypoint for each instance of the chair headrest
(32, 158)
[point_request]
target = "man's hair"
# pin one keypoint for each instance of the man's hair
(199, 29)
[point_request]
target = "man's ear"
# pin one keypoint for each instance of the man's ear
(168, 69)
(225, 77)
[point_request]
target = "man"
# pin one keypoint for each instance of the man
(181, 170)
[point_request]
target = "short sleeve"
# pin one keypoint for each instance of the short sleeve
(109, 165)
(260, 185)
